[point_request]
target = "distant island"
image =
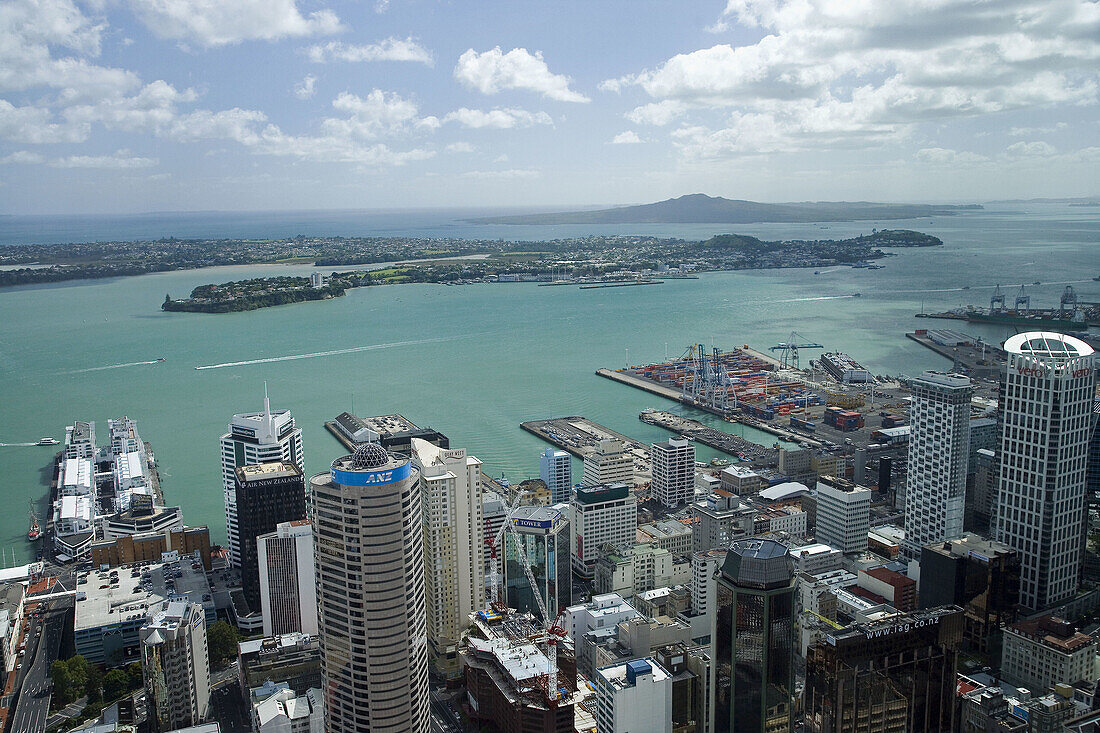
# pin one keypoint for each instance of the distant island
(261, 292)
(699, 208)
(1078, 201)
(578, 261)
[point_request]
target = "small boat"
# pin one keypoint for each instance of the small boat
(35, 531)
(47, 441)
(160, 358)
(719, 462)
(857, 295)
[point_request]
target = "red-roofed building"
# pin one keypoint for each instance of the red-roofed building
(898, 590)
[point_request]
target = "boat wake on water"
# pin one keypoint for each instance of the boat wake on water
(17, 445)
(333, 352)
(115, 366)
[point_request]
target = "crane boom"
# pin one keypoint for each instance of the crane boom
(494, 543)
(550, 625)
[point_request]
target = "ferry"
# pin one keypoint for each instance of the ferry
(48, 441)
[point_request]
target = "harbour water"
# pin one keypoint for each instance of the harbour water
(472, 361)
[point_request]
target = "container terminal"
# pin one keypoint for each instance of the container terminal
(1071, 315)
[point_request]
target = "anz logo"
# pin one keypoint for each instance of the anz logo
(382, 477)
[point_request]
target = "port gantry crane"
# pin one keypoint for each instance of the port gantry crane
(788, 358)
(551, 627)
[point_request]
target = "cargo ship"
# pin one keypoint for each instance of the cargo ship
(1071, 314)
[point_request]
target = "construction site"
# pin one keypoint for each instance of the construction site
(511, 680)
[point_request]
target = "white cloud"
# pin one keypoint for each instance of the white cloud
(235, 124)
(626, 137)
(500, 118)
(828, 74)
(1030, 150)
(493, 71)
(946, 156)
(356, 136)
(1029, 131)
(460, 147)
(22, 157)
(222, 22)
(502, 158)
(33, 125)
(306, 87)
(121, 160)
(658, 113)
(390, 49)
(506, 175)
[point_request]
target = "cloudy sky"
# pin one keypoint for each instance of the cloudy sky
(154, 105)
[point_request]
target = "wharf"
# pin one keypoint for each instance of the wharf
(626, 284)
(349, 445)
(648, 385)
(581, 436)
(729, 444)
(980, 362)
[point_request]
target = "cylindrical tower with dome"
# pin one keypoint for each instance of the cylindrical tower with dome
(369, 554)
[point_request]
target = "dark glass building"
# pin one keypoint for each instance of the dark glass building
(267, 495)
(896, 675)
(752, 648)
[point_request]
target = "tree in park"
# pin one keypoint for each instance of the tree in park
(221, 641)
(63, 689)
(115, 684)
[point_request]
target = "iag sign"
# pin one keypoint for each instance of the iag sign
(370, 478)
(901, 627)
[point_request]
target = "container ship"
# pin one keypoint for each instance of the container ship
(1070, 315)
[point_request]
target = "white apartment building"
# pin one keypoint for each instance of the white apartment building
(939, 448)
(454, 543)
(673, 464)
(1041, 505)
(605, 514)
(633, 697)
(175, 665)
(79, 440)
(556, 471)
(611, 463)
(288, 581)
(843, 515)
(703, 566)
(124, 437)
(255, 438)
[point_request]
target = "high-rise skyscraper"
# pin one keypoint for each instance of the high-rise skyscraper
(556, 471)
(1047, 413)
(454, 545)
(254, 438)
(368, 543)
(752, 643)
(543, 546)
(266, 496)
(939, 446)
(673, 471)
(843, 514)
(601, 515)
(288, 582)
(175, 665)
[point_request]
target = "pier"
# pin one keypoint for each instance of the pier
(732, 445)
(580, 436)
(980, 360)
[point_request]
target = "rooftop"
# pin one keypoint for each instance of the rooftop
(781, 492)
(601, 493)
(267, 471)
(131, 596)
(282, 643)
(1053, 632)
(757, 563)
(973, 545)
(1046, 344)
(622, 676)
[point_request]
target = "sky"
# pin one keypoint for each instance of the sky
(116, 106)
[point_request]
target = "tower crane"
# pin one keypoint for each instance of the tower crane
(551, 626)
(494, 544)
(788, 359)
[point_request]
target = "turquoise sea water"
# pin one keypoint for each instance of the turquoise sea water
(472, 361)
